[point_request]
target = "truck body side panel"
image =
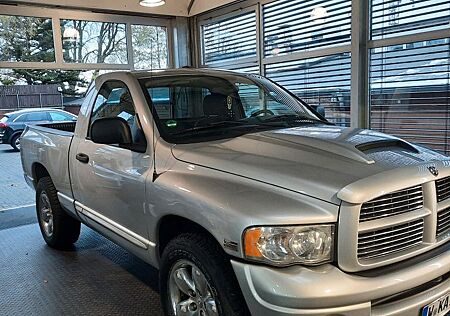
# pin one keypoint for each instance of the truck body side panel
(48, 148)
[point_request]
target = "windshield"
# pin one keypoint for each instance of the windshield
(195, 108)
(4, 119)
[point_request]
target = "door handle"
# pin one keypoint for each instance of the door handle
(82, 158)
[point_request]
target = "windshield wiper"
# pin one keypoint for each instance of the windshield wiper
(289, 118)
(216, 126)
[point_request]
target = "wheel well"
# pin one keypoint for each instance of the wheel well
(16, 133)
(171, 226)
(39, 171)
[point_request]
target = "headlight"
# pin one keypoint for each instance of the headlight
(309, 245)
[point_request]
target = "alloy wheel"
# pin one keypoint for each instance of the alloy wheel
(190, 293)
(46, 214)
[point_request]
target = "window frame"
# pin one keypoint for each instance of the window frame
(66, 14)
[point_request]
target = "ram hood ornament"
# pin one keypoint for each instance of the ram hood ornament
(434, 171)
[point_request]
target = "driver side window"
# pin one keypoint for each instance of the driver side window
(114, 100)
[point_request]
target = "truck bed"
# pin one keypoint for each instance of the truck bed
(48, 146)
(63, 126)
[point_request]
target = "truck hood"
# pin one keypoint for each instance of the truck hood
(315, 160)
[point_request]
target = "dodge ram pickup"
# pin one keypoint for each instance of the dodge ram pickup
(246, 199)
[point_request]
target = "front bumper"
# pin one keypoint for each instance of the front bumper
(326, 290)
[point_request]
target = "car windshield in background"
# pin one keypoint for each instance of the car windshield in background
(194, 108)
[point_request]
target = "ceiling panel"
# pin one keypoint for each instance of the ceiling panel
(172, 7)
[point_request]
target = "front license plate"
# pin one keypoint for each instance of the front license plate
(440, 307)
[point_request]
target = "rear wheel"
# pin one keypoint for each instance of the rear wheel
(196, 278)
(15, 142)
(58, 228)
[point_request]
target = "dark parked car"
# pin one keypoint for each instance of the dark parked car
(12, 124)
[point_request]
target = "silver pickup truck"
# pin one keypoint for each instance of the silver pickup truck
(245, 198)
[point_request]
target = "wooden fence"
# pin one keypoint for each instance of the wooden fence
(18, 97)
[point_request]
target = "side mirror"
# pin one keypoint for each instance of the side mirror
(111, 130)
(319, 109)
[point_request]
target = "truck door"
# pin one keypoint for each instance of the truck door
(108, 181)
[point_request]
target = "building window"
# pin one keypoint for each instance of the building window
(298, 25)
(391, 18)
(26, 39)
(150, 49)
(409, 93)
(94, 42)
(321, 81)
(230, 39)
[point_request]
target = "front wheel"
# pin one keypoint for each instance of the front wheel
(58, 228)
(196, 278)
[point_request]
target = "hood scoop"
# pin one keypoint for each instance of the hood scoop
(386, 143)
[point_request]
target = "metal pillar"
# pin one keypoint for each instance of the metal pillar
(181, 43)
(359, 102)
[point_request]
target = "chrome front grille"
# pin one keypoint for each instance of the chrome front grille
(443, 222)
(443, 189)
(387, 241)
(402, 201)
(400, 223)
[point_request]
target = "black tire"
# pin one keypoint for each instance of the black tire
(210, 258)
(65, 229)
(14, 142)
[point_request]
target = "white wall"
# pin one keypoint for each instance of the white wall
(205, 5)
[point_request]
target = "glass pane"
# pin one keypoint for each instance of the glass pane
(94, 42)
(21, 118)
(321, 82)
(114, 100)
(26, 39)
(37, 116)
(299, 25)
(409, 87)
(33, 88)
(160, 97)
(392, 18)
(59, 116)
(230, 39)
(217, 106)
(150, 49)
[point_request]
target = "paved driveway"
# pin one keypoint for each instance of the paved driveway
(14, 192)
(16, 198)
